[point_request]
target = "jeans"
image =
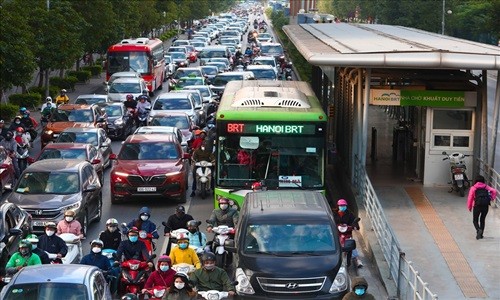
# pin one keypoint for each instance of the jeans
(479, 216)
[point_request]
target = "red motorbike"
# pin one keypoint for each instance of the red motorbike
(156, 292)
(134, 275)
(345, 233)
(147, 238)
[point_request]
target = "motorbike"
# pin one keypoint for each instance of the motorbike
(222, 233)
(345, 233)
(173, 237)
(287, 72)
(144, 236)
(203, 177)
(23, 156)
(134, 275)
(184, 268)
(459, 181)
(156, 293)
(114, 271)
(142, 117)
(213, 294)
(74, 250)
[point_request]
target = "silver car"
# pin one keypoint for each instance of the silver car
(176, 102)
(121, 87)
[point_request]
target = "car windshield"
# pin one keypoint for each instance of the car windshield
(263, 74)
(189, 81)
(128, 62)
(289, 238)
(177, 49)
(180, 122)
(178, 55)
(220, 59)
(48, 183)
(172, 104)
(223, 80)
(187, 73)
(198, 44)
(125, 87)
(47, 290)
(148, 151)
(211, 70)
(71, 153)
(269, 62)
(113, 110)
(75, 115)
(271, 49)
(78, 137)
(203, 90)
(212, 53)
(89, 100)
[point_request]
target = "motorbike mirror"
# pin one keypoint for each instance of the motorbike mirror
(152, 257)
(15, 231)
(356, 220)
(349, 245)
(229, 246)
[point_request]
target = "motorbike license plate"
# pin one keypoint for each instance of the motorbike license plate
(146, 189)
(459, 176)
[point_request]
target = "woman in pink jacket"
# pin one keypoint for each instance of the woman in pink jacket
(478, 206)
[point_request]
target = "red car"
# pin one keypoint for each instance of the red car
(192, 54)
(150, 165)
(7, 173)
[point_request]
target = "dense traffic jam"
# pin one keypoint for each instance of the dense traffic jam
(167, 136)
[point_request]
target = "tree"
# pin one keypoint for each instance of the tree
(17, 61)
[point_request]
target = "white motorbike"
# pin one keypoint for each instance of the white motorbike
(222, 233)
(184, 268)
(74, 250)
(213, 294)
(203, 177)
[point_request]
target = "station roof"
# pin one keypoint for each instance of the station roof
(387, 46)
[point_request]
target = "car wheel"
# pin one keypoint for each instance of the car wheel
(99, 209)
(85, 222)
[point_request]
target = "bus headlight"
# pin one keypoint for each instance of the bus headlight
(244, 286)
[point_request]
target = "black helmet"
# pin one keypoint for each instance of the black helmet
(208, 256)
(129, 296)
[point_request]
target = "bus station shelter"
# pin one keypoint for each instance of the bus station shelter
(434, 85)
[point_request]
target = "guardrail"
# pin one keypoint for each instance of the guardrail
(409, 283)
(492, 179)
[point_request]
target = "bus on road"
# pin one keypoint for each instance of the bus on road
(141, 55)
(269, 132)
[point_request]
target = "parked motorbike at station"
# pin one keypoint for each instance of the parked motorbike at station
(74, 250)
(203, 177)
(345, 233)
(222, 233)
(459, 181)
(134, 275)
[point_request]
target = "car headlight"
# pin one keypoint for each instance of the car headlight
(74, 207)
(173, 173)
(48, 132)
(121, 174)
(244, 286)
(118, 122)
(341, 282)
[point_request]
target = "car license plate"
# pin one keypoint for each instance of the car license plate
(146, 189)
(459, 176)
(39, 223)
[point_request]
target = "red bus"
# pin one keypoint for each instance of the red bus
(141, 55)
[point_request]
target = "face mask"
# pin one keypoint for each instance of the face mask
(224, 206)
(192, 230)
(68, 219)
(24, 251)
(33, 246)
(133, 238)
(112, 228)
(359, 291)
(342, 208)
(96, 249)
(164, 268)
(49, 232)
(183, 245)
(179, 285)
(18, 122)
(209, 267)
(144, 217)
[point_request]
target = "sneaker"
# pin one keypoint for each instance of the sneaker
(358, 263)
(193, 194)
(479, 234)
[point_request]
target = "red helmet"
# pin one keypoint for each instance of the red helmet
(165, 258)
(256, 186)
(20, 129)
(342, 202)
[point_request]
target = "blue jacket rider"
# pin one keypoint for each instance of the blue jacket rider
(143, 223)
(133, 248)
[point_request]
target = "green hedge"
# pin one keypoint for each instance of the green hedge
(8, 111)
(169, 34)
(53, 91)
(67, 82)
(29, 101)
(95, 70)
(82, 76)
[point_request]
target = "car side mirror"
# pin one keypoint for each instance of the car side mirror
(349, 245)
(15, 231)
(112, 156)
(90, 188)
(229, 246)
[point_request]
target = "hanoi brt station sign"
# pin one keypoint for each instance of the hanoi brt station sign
(419, 98)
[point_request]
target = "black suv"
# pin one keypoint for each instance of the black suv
(48, 188)
(287, 246)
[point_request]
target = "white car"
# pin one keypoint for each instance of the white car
(266, 60)
(116, 75)
(121, 87)
(169, 65)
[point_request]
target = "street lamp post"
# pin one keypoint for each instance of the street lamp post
(443, 16)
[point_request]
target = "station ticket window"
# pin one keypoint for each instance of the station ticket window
(452, 129)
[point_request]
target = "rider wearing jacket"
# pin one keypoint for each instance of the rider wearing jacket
(24, 257)
(95, 257)
(111, 237)
(183, 254)
(196, 237)
(52, 243)
(133, 248)
(143, 223)
(69, 225)
(164, 274)
(344, 216)
(211, 277)
(44, 257)
(224, 215)
(359, 287)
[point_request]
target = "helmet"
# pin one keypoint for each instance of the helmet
(24, 244)
(182, 236)
(193, 223)
(97, 242)
(130, 96)
(22, 110)
(9, 135)
(19, 129)
(51, 225)
(32, 238)
(69, 213)
(129, 296)
(142, 97)
(341, 202)
(223, 201)
(112, 222)
(184, 277)
(133, 230)
(63, 91)
(257, 186)
(48, 99)
(165, 258)
(208, 256)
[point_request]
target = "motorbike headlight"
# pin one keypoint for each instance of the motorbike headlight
(244, 286)
(158, 293)
(134, 266)
(118, 122)
(48, 132)
(340, 283)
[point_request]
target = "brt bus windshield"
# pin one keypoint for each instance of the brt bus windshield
(128, 62)
(282, 161)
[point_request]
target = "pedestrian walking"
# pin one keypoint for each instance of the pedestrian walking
(480, 197)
